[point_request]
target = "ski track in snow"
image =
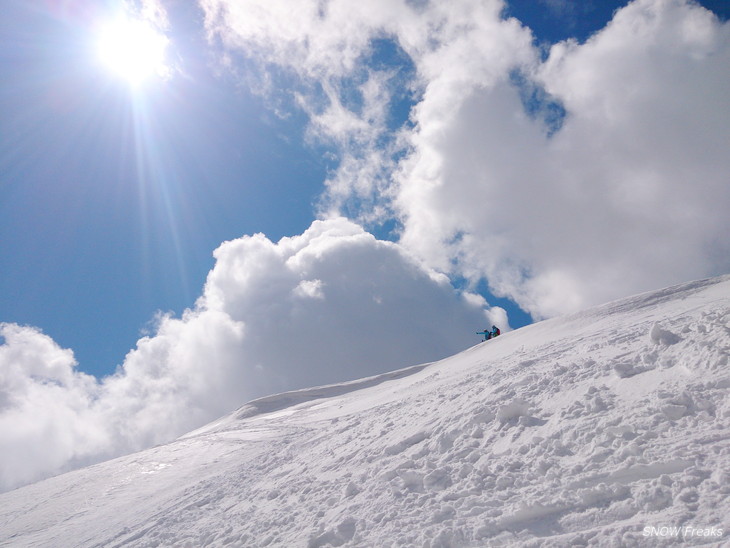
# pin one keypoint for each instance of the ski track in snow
(577, 431)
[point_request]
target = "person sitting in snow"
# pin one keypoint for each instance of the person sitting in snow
(489, 334)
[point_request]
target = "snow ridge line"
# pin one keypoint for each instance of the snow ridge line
(285, 400)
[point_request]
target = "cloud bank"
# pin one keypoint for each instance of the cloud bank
(329, 305)
(563, 178)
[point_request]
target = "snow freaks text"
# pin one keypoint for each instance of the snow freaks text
(684, 531)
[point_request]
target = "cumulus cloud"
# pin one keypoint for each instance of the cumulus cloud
(629, 194)
(329, 305)
(564, 179)
(43, 405)
(333, 293)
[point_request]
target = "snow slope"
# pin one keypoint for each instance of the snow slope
(610, 427)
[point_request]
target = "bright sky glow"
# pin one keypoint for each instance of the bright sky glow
(133, 49)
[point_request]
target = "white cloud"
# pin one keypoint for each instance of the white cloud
(329, 305)
(43, 406)
(310, 289)
(368, 306)
(152, 11)
(629, 194)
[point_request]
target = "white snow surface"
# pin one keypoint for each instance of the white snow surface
(610, 427)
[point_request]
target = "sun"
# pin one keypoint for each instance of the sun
(133, 49)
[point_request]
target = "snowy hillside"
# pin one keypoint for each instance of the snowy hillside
(610, 427)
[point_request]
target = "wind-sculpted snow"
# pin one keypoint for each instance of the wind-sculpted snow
(606, 428)
(281, 401)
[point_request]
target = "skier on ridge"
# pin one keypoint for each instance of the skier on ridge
(490, 334)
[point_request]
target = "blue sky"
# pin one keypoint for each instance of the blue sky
(415, 171)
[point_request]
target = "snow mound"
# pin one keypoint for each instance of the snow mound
(606, 428)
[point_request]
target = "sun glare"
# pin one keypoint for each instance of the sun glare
(133, 49)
